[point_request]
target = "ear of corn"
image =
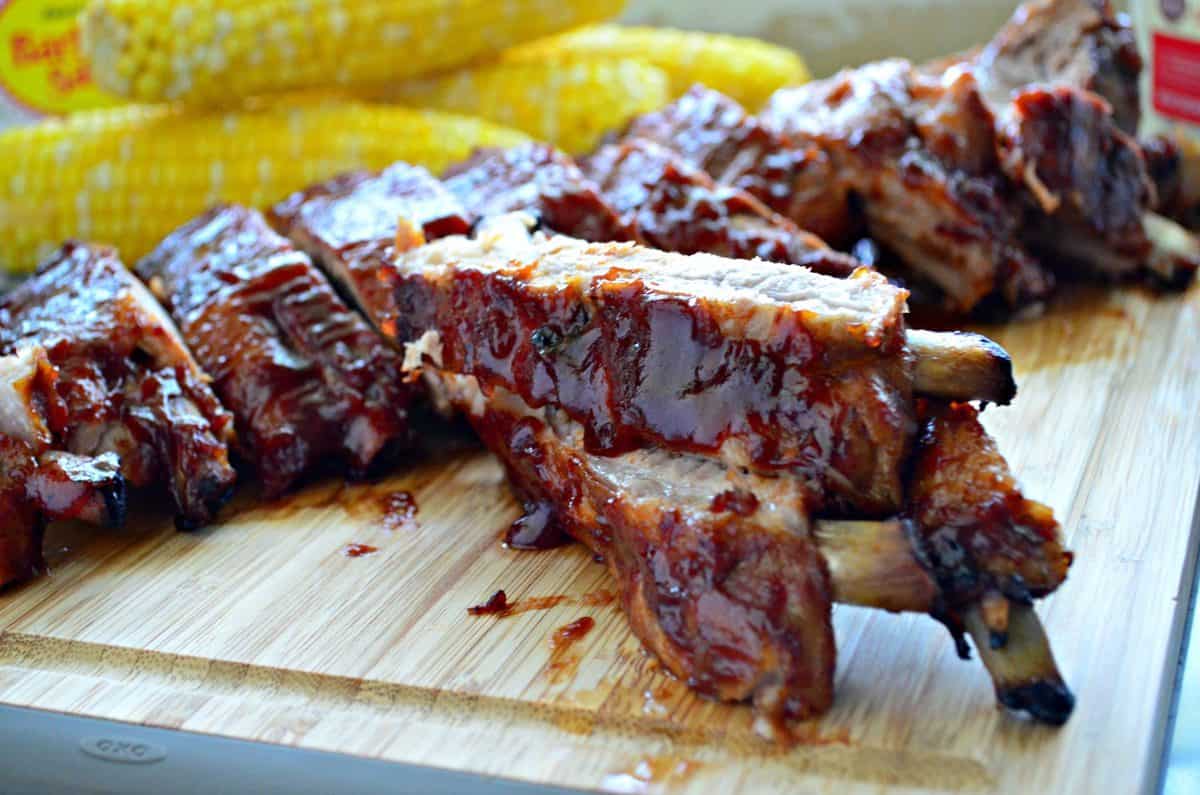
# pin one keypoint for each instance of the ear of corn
(568, 102)
(746, 69)
(129, 176)
(211, 51)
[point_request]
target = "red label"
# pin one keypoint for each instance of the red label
(1176, 84)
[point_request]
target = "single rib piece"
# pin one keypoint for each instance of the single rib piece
(307, 379)
(674, 206)
(982, 534)
(919, 152)
(348, 225)
(767, 365)
(735, 601)
(722, 573)
(1080, 43)
(90, 364)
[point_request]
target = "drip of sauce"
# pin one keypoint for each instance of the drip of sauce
(572, 632)
(398, 509)
(497, 604)
(735, 501)
(536, 529)
(563, 659)
(357, 550)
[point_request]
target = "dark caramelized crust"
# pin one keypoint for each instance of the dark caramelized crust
(1062, 81)
(674, 206)
(1095, 173)
(305, 376)
(348, 225)
(538, 179)
(980, 531)
(735, 603)
(919, 153)
(795, 178)
(21, 524)
(1174, 166)
(768, 365)
(91, 365)
(83, 488)
(726, 580)
(1080, 43)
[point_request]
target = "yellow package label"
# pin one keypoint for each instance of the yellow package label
(42, 67)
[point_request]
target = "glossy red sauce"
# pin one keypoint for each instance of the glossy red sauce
(674, 206)
(497, 604)
(564, 660)
(572, 632)
(598, 598)
(636, 369)
(357, 550)
(310, 383)
(536, 529)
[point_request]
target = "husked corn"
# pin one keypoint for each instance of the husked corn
(568, 102)
(212, 51)
(749, 70)
(129, 176)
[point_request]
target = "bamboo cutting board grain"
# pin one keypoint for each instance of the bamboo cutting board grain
(263, 628)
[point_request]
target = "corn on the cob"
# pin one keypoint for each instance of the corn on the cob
(569, 103)
(746, 69)
(211, 51)
(130, 175)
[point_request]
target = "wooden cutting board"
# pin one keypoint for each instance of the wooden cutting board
(264, 629)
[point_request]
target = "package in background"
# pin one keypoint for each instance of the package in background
(1169, 38)
(42, 69)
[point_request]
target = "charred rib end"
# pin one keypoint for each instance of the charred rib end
(1023, 670)
(1048, 701)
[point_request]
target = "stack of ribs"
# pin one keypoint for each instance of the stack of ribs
(972, 172)
(674, 366)
(98, 393)
(743, 442)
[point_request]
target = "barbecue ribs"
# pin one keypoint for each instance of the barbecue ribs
(728, 581)
(348, 225)
(97, 390)
(689, 418)
(306, 378)
(769, 366)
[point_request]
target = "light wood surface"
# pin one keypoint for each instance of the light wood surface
(263, 629)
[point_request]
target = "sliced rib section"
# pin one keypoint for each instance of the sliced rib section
(770, 366)
(309, 382)
(349, 226)
(91, 365)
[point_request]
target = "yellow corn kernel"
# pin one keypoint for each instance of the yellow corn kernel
(129, 176)
(215, 51)
(570, 103)
(749, 70)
